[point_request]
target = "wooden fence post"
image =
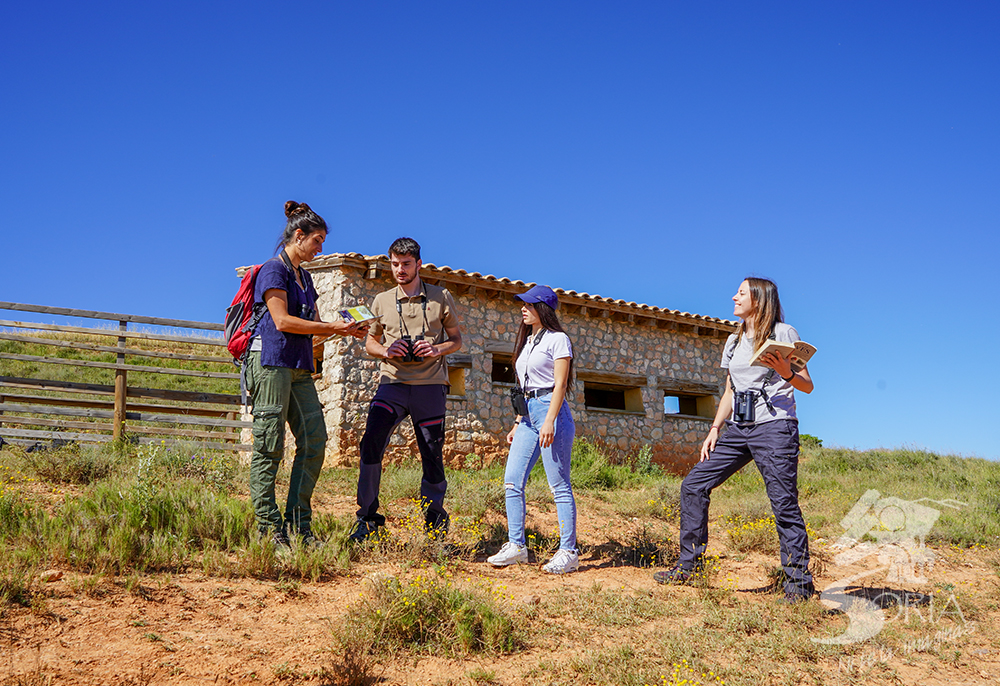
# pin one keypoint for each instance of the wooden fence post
(121, 386)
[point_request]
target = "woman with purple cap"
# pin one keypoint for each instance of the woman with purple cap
(543, 362)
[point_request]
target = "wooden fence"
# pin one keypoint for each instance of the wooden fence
(33, 408)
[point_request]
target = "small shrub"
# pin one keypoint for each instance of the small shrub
(16, 579)
(215, 470)
(639, 548)
(13, 515)
(807, 441)
(593, 470)
(643, 463)
(404, 536)
(355, 667)
(540, 543)
(430, 613)
(758, 534)
(667, 503)
(481, 675)
(73, 464)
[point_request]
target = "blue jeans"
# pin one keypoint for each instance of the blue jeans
(524, 453)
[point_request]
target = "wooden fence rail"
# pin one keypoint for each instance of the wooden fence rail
(193, 417)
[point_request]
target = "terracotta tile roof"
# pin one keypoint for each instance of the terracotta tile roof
(432, 272)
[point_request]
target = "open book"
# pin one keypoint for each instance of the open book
(358, 314)
(798, 353)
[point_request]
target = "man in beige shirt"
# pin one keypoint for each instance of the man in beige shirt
(416, 328)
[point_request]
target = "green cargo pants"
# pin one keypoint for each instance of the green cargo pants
(282, 394)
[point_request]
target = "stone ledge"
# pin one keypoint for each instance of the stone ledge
(608, 410)
(696, 417)
(611, 378)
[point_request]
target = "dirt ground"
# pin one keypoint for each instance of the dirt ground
(193, 629)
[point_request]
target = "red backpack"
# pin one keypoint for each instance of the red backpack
(243, 316)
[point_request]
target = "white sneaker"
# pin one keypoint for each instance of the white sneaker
(510, 554)
(563, 562)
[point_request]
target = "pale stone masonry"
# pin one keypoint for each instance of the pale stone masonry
(628, 358)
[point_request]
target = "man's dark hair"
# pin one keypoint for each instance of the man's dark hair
(405, 246)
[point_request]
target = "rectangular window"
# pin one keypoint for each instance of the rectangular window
(502, 369)
(613, 397)
(457, 366)
(456, 381)
(675, 403)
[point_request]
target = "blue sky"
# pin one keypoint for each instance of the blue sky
(656, 152)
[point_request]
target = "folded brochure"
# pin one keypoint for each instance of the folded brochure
(357, 314)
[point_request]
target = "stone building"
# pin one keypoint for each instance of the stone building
(644, 375)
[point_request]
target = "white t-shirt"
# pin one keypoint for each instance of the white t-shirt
(736, 359)
(540, 360)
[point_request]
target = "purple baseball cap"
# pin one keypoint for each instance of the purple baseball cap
(540, 294)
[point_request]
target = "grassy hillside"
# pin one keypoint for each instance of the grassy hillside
(48, 371)
(123, 522)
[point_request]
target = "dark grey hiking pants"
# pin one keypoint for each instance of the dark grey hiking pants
(392, 403)
(774, 448)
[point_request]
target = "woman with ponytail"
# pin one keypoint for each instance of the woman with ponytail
(757, 413)
(543, 362)
(279, 378)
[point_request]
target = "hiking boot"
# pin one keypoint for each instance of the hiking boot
(309, 541)
(677, 576)
(791, 598)
(280, 539)
(363, 531)
(509, 554)
(563, 562)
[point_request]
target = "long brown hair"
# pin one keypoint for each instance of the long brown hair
(550, 322)
(766, 310)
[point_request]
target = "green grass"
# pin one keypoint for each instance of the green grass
(831, 481)
(58, 372)
(120, 515)
(154, 508)
(90, 375)
(73, 464)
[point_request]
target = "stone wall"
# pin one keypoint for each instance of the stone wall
(614, 349)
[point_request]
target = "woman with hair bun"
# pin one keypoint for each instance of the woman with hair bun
(279, 378)
(758, 412)
(543, 362)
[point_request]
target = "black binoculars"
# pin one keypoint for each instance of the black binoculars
(410, 356)
(744, 407)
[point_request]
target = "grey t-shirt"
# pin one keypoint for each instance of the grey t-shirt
(736, 358)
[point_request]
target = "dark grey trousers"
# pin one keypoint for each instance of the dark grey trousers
(774, 448)
(392, 403)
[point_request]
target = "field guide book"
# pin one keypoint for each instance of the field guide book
(798, 353)
(357, 314)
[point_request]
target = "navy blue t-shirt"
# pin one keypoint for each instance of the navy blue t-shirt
(293, 350)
